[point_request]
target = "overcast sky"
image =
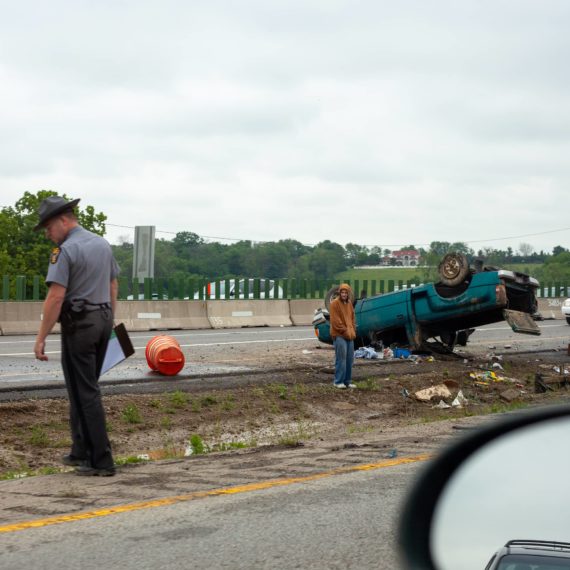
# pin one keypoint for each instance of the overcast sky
(373, 122)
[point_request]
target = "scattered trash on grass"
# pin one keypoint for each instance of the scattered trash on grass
(307, 351)
(442, 405)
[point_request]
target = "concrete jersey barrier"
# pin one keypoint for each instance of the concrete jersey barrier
(24, 317)
(162, 315)
(303, 310)
(254, 313)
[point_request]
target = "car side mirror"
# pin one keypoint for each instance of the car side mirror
(502, 482)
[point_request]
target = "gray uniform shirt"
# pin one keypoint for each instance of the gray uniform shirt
(85, 266)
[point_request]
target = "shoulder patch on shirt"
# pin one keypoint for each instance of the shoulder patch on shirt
(54, 255)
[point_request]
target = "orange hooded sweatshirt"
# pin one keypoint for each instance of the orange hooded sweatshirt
(342, 320)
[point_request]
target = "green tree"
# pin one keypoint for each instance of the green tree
(26, 252)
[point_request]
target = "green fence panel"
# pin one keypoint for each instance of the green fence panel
(245, 289)
(303, 288)
(293, 288)
(382, 287)
(218, 290)
(147, 288)
(256, 288)
(400, 285)
(123, 287)
(36, 288)
(159, 287)
(391, 285)
(191, 288)
(373, 289)
(21, 288)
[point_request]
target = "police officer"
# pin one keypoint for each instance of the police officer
(82, 280)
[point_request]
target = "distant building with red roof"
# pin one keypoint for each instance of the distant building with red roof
(402, 257)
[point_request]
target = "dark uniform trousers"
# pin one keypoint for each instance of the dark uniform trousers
(84, 341)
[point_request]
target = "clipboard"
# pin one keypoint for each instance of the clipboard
(119, 348)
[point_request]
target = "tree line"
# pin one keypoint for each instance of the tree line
(25, 252)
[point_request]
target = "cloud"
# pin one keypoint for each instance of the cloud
(369, 122)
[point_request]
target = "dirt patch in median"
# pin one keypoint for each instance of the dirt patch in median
(279, 408)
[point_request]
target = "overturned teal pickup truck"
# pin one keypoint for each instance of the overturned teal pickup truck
(441, 314)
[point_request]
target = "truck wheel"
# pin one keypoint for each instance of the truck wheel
(568, 320)
(453, 269)
(331, 294)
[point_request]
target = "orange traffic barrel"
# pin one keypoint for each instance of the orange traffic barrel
(164, 355)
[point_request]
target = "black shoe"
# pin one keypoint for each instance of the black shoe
(73, 461)
(86, 470)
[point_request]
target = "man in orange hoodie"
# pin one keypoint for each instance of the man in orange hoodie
(343, 332)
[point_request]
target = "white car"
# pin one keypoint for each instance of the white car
(566, 310)
(209, 291)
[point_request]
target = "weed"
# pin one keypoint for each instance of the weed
(129, 460)
(48, 470)
(368, 384)
(352, 429)
(208, 401)
(166, 422)
(229, 403)
(196, 405)
(197, 445)
(131, 414)
(179, 399)
(157, 404)
(39, 437)
(280, 390)
(258, 393)
(295, 437)
(300, 389)
(229, 446)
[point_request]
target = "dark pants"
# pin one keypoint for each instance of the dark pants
(84, 342)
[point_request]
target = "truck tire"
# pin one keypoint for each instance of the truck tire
(568, 320)
(453, 269)
(331, 294)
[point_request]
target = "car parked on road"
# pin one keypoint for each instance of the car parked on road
(566, 310)
(444, 313)
(533, 554)
(237, 289)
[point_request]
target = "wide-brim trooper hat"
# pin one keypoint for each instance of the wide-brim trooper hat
(53, 206)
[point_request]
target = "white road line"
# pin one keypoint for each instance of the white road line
(176, 334)
(189, 345)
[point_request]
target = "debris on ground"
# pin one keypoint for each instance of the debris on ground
(367, 352)
(460, 400)
(510, 395)
(425, 395)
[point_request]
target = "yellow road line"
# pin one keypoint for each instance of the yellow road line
(39, 523)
